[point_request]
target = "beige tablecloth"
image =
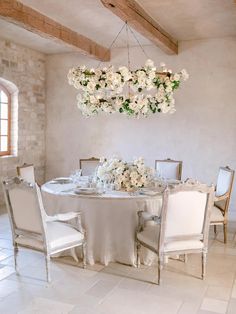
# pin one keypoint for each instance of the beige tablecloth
(110, 220)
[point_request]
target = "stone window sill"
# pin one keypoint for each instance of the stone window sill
(8, 156)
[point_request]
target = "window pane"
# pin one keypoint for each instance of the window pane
(3, 97)
(4, 127)
(4, 111)
(3, 142)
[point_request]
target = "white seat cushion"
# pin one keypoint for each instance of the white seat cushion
(216, 214)
(183, 245)
(60, 236)
(150, 236)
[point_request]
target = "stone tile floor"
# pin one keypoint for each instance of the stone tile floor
(118, 289)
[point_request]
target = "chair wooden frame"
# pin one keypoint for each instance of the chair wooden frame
(25, 165)
(143, 217)
(16, 181)
(87, 160)
(226, 197)
(180, 162)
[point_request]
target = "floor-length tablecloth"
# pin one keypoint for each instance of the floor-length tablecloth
(110, 220)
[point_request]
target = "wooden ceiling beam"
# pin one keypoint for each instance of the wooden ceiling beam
(142, 22)
(17, 13)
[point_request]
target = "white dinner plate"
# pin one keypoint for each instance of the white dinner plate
(86, 191)
(61, 181)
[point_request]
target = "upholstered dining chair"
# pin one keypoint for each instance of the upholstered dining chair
(169, 168)
(89, 165)
(183, 225)
(26, 172)
(33, 229)
(223, 191)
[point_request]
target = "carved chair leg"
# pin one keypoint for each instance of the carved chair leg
(215, 231)
(138, 247)
(84, 255)
(73, 254)
(185, 258)
(203, 265)
(225, 232)
(160, 266)
(47, 260)
(15, 257)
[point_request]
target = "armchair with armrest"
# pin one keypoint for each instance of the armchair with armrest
(183, 225)
(223, 191)
(32, 228)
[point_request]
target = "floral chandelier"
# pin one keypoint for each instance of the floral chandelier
(135, 93)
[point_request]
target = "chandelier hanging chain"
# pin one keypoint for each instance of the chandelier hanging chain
(127, 44)
(136, 38)
(128, 29)
(111, 45)
(128, 52)
(139, 92)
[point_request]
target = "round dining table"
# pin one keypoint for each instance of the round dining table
(110, 219)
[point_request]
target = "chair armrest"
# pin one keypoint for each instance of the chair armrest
(221, 197)
(63, 217)
(144, 216)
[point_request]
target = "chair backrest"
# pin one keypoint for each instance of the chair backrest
(26, 172)
(224, 181)
(169, 169)
(25, 207)
(88, 166)
(186, 213)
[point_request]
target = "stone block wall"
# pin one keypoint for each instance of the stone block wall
(25, 68)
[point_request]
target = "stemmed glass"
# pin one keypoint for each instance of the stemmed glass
(75, 176)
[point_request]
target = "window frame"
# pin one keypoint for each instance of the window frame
(8, 152)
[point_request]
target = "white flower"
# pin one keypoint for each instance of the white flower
(101, 89)
(91, 87)
(149, 63)
(184, 74)
(102, 159)
(176, 77)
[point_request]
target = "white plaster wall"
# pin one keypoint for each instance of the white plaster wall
(201, 133)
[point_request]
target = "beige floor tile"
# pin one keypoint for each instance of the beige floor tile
(233, 294)
(6, 271)
(232, 307)
(214, 305)
(4, 253)
(218, 292)
(46, 306)
(134, 285)
(123, 301)
(5, 244)
(101, 288)
(206, 312)
(7, 287)
(188, 308)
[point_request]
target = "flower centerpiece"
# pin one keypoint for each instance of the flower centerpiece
(125, 176)
(136, 93)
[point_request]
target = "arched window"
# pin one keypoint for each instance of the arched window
(5, 122)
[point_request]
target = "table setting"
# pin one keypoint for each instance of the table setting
(108, 201)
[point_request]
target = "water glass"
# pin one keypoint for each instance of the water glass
(75, 176)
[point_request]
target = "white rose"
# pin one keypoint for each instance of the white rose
(149, 63)
(184, 74)
(176, 77)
